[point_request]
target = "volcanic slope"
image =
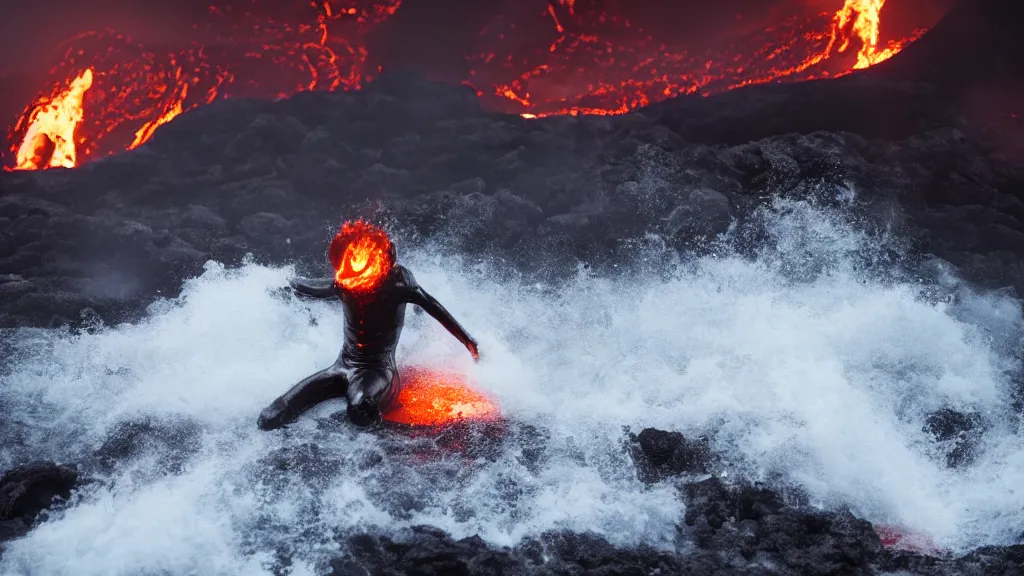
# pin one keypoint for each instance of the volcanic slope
(272, 178)
(977, 42)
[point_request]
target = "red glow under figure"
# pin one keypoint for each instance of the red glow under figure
(374, 290)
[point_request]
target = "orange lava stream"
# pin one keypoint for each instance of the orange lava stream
(50, 135)
(148, 128)
(590, 63)
(435, 398)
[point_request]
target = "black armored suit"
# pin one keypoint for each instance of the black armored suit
(365, 371)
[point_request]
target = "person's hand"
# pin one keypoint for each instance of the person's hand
(474, 350)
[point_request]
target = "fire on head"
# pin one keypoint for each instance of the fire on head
(362, 256)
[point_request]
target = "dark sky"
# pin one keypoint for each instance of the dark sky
(31, 30)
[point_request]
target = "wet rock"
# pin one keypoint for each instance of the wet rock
(265, 226)
(171, 442)
(958, 432)
(425, 550)
(468, 187)
(229, 250)
(704, 213)
(196, 216)
(308, 461)
(28, 490)
(747, 522)
(20, 262)
(52, 309)
(987, 560)
(659, 454)
(7, 244)
(15, 289)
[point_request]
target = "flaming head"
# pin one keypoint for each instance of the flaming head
(362, 256)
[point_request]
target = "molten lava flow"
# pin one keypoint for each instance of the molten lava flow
(171, 111)
(604, 65)
(362, 255)
(51, 124)
(435, 398)
(237, 52)
(571, 58)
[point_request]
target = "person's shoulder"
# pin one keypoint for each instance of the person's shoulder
(403, 276)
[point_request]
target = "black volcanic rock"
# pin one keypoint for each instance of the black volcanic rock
(727, 530)
(424, 550)
(958, 432)
(174, 441)
(28, 490)
(115, 233)
(978, 41)
(659, 454)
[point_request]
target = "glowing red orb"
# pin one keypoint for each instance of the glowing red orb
(362, 256)
(435, 398)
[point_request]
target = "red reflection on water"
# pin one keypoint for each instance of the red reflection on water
(898, 538)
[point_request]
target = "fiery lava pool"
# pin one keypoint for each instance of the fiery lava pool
(803, 365)
(431, 397)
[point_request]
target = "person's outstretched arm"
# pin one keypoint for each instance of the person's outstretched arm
(421, 298)
(314, 287)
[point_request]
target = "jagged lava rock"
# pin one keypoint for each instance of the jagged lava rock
(28, 490)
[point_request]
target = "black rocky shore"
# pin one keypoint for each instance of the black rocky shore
(926, 146)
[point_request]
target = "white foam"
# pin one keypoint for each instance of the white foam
(826, 381)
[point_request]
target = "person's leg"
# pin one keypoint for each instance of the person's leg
(371, 392)
(312, 390)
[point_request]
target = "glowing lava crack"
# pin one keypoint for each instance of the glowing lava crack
(109, 94)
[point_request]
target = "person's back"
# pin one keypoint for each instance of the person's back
(373, 290)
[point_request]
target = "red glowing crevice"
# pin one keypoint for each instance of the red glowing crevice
(898, 538)
(109, 93)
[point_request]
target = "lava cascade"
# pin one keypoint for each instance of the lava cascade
(590, 62)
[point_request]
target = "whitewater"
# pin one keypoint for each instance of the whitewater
(802, 365)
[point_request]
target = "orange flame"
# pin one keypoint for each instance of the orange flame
(50, 139)
(435, 398)
(863, 19)
(362, 256)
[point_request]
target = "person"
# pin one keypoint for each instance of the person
(374, 290)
